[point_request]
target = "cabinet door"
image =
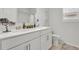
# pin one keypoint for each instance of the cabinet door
(44, 42)
(35, 44)
(32, 45)
(25, 46)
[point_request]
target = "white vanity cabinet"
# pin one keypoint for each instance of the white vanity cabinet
(25, 46)
(35, 44)
(31, 45)
(33, 39)
(46, 39)
(44, 42)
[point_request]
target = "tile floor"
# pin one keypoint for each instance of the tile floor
(65, 47)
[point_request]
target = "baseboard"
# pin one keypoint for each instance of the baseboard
(71, 44)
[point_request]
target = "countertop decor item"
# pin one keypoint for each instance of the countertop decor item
(24, 26)
(5, 22)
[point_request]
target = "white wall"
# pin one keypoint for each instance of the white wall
(42, 15)
(10, 13)
(23, 15)
(68, 31)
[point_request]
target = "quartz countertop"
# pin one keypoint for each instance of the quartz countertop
(20, 32)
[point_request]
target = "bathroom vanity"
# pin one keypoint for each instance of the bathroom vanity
(39, 38)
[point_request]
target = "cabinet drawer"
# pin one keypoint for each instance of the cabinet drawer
(14, 41)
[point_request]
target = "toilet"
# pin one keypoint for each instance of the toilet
(57, 41)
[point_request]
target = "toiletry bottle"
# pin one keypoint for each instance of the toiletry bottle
(24, 26)
(34, 25)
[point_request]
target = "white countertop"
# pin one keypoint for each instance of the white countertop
(20, 32)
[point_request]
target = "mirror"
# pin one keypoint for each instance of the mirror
(18, 16)
(26, 15)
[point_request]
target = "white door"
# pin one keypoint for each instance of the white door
(25, 46)
(35, 44)
(44, 42)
